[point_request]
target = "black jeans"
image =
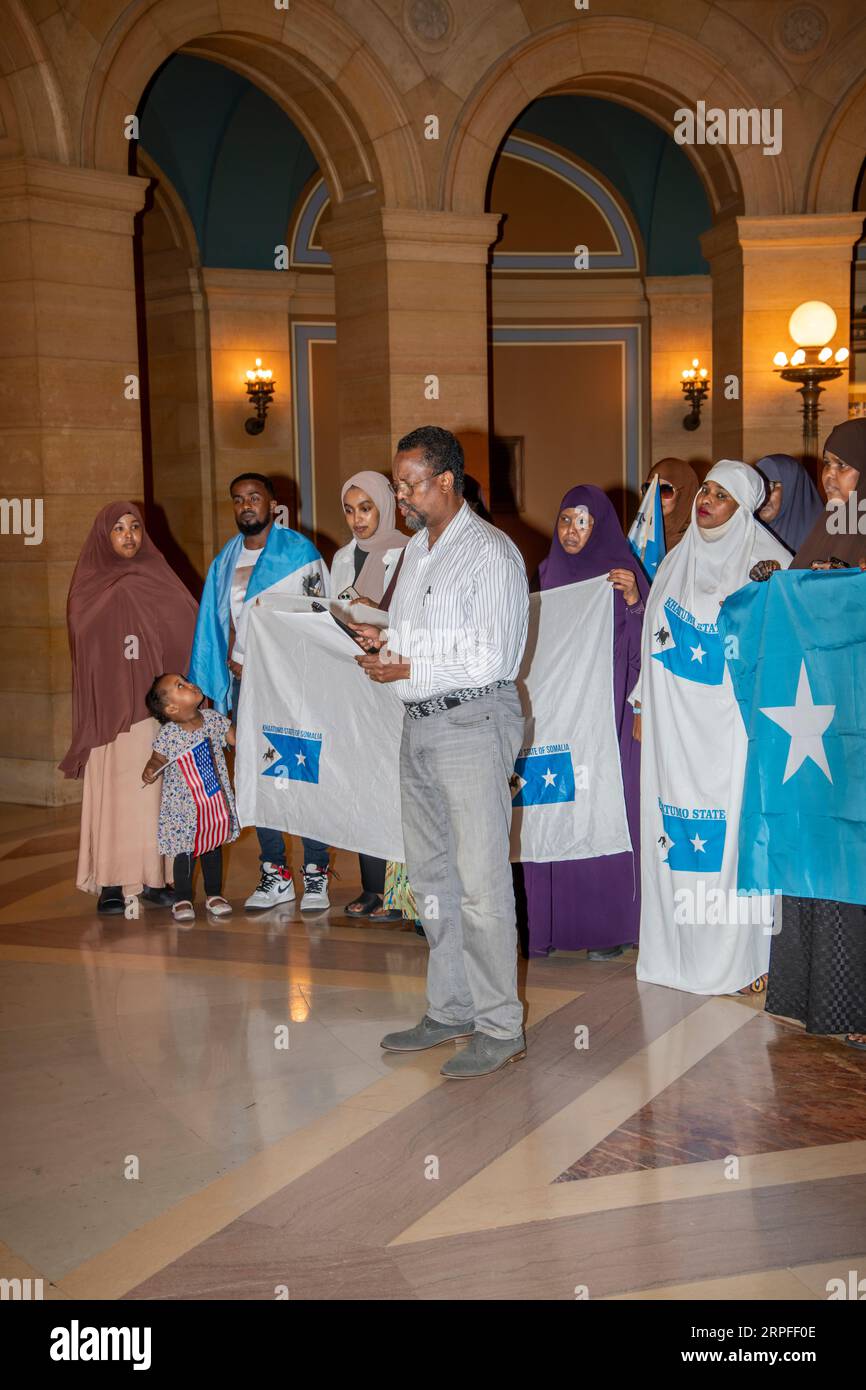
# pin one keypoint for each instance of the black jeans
(372, 874)
(272, 846)
(212, 873)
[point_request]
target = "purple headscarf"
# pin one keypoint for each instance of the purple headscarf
(606, 549)
(801, 504)
(585, 903)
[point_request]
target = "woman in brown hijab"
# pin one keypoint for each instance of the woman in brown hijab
(129, 618)
(833, 543)
(678, 484)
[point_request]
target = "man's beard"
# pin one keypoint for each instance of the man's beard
(252, 528)
(415, 521)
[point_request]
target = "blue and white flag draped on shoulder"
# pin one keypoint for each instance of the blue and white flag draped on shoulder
(694, 933)
(799, 674)
(647, 534)
(289, 564)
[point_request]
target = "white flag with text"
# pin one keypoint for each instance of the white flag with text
(318, 742)
(567, 797)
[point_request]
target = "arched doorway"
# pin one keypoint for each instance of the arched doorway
(598, 256)
(228, 192)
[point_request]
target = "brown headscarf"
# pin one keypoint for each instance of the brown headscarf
(848, 442)
(371, 579)
(111, 599)
(684, 477)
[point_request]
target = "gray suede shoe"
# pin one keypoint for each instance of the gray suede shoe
(427, 1033)
(484, 1055)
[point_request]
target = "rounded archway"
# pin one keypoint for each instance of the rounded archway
(631, 62)
(32, 108)
(838, 159)
(310, 67)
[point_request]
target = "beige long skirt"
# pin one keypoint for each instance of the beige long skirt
(119, 816)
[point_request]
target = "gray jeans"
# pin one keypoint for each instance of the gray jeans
(456, 802)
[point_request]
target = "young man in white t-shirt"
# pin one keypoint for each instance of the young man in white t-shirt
(255, 506)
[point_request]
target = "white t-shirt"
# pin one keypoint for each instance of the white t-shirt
(247, 561)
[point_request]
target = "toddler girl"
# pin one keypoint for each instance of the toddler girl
(197, 813)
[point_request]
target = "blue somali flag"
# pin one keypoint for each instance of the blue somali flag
(692, 840)
(691, 650)
(542, 778)
(647, 534)
(285, 553)
(797, 655)
(292, 754)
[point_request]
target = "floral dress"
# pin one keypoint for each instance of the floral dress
(177, 812)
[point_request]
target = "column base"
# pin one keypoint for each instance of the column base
(36, 782)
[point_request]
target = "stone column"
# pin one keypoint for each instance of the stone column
(411, 305)
(70, 437)
(762, 268)
(680, 328)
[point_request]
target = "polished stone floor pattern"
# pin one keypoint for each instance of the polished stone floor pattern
(206, 1113)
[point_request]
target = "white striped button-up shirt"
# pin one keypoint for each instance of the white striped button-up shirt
(460, 610)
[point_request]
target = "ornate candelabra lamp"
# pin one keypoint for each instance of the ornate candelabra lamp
(811, 326)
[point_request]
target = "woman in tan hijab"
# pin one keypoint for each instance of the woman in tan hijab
(367, 568)
(368, 564)
(678, 485)
(129, 618)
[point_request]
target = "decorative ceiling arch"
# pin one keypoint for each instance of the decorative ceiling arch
(838, 159)
(172, 206)
(837, 83)
(312, 65)
(304, 248)
(624, 254)
(32, 91)
(630, 61)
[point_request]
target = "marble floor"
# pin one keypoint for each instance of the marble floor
(206, 1113)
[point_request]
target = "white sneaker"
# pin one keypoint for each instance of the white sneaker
(315, 888)
(275, 886)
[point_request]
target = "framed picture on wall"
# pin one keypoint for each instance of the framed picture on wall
(506, 473)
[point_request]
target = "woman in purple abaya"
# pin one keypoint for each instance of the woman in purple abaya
(594, 904)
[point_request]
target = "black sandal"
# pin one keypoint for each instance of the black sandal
(111, 901)
(363, 905)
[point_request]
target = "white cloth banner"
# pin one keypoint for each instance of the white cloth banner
(318, 742)
(696, 934)
(567, 794)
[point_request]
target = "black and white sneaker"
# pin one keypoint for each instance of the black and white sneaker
(275, 886)
(315, 888)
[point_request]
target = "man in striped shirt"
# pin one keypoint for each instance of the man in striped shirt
(459, 617)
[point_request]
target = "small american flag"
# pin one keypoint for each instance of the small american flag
(213, 820)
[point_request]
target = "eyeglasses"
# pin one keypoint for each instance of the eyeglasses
(406, 489)
(666, 489)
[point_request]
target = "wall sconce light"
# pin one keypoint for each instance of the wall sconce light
(260, 386)
(696, 385)
(811, 327)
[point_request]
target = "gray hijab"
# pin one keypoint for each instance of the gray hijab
(801, 502)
